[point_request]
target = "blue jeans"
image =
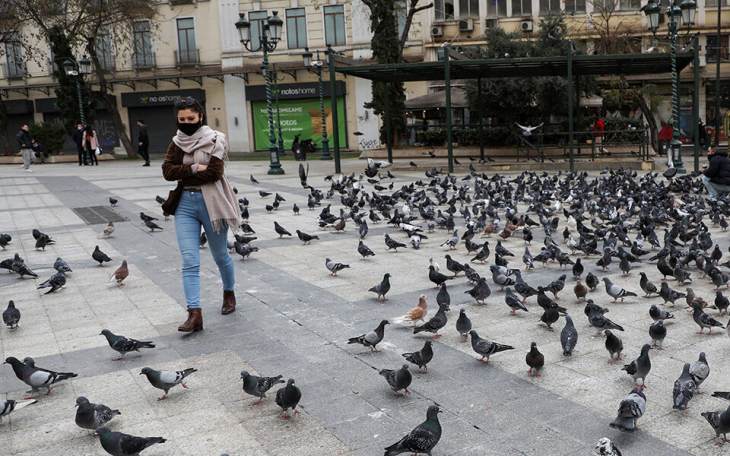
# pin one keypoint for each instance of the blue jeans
(713, 189)
(190, 215)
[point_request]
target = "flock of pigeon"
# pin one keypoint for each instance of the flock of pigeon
(612, 219)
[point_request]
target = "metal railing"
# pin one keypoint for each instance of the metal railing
(187, 57)
(143, 61)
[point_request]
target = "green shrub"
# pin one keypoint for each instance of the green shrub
(50, 135)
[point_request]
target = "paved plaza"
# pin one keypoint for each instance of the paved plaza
(294, 319)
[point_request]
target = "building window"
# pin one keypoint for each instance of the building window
(575, 6)
(470, 8)
(14, 57)
(713, 3)
(401, 12)
(257, 20)
(444, 10)
(104, 51)
(143, 56)
(629, 5)
(713, 49)
(550, 7)
(187, 53)
(334, 25)
(496, 8)
(521, 7)
(296, 28)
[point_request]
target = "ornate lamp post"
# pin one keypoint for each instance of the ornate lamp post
(679, 13)
(317, 66)
(268, 39)
(78, 71)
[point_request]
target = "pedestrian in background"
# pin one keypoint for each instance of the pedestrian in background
(25, 146)
(78, 137)
(599, 129)
(143, 142)
(90, 145)
(703, 138)
(39, 150)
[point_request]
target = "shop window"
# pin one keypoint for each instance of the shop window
(444, 10)
(496, 8)
(549, 7)
(717, 48)
(713, 3)
(143, 56)
(575, 6)
(257, 20)
(470, 8)
(296, 28)
(334, 25)
(521, 7)
(187, 53)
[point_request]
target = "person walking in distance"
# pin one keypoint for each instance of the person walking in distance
(143, 142)
(25, 145)
(203, 198)
(78, 137)
(89, 144)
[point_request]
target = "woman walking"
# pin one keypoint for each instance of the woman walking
(89, 143)
(203, 198)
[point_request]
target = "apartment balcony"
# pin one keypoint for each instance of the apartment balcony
(143, 61)
(189, 57)
(13, 71)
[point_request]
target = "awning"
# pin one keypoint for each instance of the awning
(438, 100)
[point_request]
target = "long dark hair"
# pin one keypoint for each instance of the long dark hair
(191, 104)
(89, 131)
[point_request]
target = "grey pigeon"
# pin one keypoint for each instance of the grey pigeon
(99, 256)
(641, 366)
(699, 370)
(433, 325)
(11, 315)
(165, 380)
(55, 283)
(632, 407)
(535, 360)
(93, 416)
(422, 357)
(669, 295)
(684, 389)
(306, 238)
(568, 336)
(615, 291)
(648, 287)
(18, 266)
(703, 320)
(382, 288)
(119, 444)
(287, 398)
(258, 386)
(280, 230)
(61, 266)
(614, 345)
(422, 439)
(599, 321)
(443, 299)
(364, 250)
(334, 267)
(720, 422)
(657, 332)
(9, 406)
(659, 314)
(463, 324)
(124, 345)
(513, 302)
(398, 379)
(485, 347)
(480, 292)
(36, 377)
(371, 339)
(605, 447)
(152, 225)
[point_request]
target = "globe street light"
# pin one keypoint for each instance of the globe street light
(269, 36)
(679, 13)
(317, 66)
(77, 71)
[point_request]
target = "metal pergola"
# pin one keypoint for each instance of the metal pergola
(569, 66)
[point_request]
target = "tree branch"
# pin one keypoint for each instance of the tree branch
(414, 8)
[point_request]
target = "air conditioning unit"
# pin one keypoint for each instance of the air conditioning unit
(491, 23)
(526, 26)
(437, 31)
(466, 25)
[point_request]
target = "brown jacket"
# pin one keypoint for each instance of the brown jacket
(174, 170)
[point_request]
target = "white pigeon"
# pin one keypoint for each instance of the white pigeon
(527, 130)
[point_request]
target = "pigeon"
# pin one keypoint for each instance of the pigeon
(513, 302)
(422, 439)
(648, 287)
(641, 366)
(486, 348)
(550, 316)
(722, 302)
(591, 281)
(703, 320)
(36, 377)
(437, 277)
(306, 238)
(264, 194)
(657, 314)
(152, 225)
(669, 295)
(165, 380)
(568, 336)
(5, 239)
(443, 299)
(480, 291)
(9, 406)
(54, 283)
(398, 379)
(253, 179)
(632, 407)
(108, 230)
(699, 370)
(605, 447)
(18, 266)
(454, 266)
(599, 321)
(580, 290)
(334, 267)
(113, 202)
(280, 230)
(43, 240)
(120, 444)
(452, 241)
(120, 274)
(11, 315)
(364, 250)
(371, 339)
(422, 357)
(415, 314)
(382, 288)
(287, 398)
(124, 345)
(433, 325)
(535, 361)
(392, 244)
(202, 240)
(657, 332)
(147, 218)
(295, 209)
(258, 386)
(463, 324)
(244, 249)
(61, 266)
(684, 389)
(614, 345)
(720, 422)
(100, 256)
(93, 416)
(615, 291)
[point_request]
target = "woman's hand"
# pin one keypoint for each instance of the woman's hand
(201, 168)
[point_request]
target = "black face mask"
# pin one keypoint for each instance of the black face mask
(189, 128)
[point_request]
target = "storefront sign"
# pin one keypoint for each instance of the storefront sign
(161, 98)
(294, 91)
(298, 117)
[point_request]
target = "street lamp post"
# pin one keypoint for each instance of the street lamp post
(679, 13)
(278, 113)
(317, 66)
(269, 36)
(77, 71)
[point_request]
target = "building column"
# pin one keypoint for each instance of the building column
(234, 88)
(367, 122)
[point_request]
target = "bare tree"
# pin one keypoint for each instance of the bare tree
(413, 9)
(615, 32)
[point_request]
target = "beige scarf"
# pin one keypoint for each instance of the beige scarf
(218, 196)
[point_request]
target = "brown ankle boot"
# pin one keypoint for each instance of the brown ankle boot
(194, 321)
(229, 302)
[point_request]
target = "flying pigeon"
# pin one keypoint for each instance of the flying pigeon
(165, 380)
(124, 345)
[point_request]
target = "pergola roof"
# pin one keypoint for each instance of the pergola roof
(598, 65)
